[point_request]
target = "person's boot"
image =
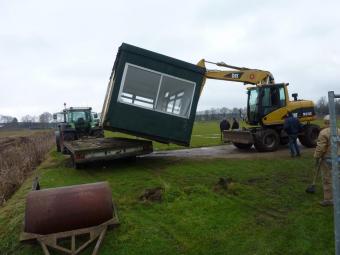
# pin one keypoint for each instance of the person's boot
(326, 203)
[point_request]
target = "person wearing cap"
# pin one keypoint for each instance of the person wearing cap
(292, 126)
(321, 153)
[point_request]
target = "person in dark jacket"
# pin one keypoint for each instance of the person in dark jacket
(224, 125)
(235, 124)
(292, 126)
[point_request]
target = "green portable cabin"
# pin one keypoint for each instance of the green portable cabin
(152, 96)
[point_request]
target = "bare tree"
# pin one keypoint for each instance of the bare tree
(45, 117)
(27, 118)
(6, 119)
(322, 106)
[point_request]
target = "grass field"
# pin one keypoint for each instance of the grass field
(19, 132)
(265, 211)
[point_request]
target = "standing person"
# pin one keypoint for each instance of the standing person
(235, 124)
(224, 125)
(322, 152)
(292, 126)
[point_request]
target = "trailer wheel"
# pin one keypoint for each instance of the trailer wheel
(75, 165)
(310, 136)
(243, 146)
(266, 140)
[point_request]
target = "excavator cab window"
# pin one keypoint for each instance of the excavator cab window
(253, 106)
(264, 100)
(273, 98)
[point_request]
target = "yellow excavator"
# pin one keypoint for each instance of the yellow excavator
(267, 105)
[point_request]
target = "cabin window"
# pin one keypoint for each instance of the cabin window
(156, 91)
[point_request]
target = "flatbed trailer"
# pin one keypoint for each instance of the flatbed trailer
(98, 149)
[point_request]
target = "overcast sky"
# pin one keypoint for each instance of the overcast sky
(53, 52)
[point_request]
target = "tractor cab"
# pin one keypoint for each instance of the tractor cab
(75, 123)
(79, 118)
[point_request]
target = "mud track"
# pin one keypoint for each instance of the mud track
(226, 151)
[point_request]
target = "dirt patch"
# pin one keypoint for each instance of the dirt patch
(152, 195)
(226, 185)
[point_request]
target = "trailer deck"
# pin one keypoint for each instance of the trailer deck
(93, 149)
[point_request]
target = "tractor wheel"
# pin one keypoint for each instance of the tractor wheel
(310, 136)
(98, 133)
(267, 140)
(67, 137)
(57, 141)
(243, 146)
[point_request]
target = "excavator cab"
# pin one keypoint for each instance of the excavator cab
(263, 100)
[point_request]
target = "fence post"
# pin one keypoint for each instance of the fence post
(335, 169)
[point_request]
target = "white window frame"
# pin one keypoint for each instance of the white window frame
(119, 100)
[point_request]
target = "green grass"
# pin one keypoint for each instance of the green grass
(204, 133)
(266, 210)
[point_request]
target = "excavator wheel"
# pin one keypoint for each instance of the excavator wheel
(243, 146)
(310, 136)
(267, 140)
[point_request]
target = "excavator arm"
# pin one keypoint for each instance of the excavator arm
(239, 74)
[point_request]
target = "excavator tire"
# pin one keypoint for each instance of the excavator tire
(310, 136)
(243, 146)
(267, 140)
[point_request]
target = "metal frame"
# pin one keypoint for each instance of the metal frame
(335, 139)
(51, 240)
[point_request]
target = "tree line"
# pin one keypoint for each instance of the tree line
(45, 117)
(321, 109)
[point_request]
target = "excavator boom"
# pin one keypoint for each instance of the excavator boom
(239, 74)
